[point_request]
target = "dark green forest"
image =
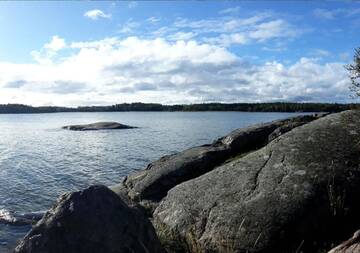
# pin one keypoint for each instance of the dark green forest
(127, 107)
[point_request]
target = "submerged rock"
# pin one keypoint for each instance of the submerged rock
(284, 197)
(94, 220)
(97, 126)
(152, 184)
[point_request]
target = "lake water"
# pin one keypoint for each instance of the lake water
(39, 161)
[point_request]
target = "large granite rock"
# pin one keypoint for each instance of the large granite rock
(97, 126)
(150, 185)
(95, 220)
(293, 195)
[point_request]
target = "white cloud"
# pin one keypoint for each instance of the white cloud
(259, 28)
(228, 39)
(116, 70)
(317, 52)
(230, 11)
(335, 13)
(273, 29)
(129, 26)
(188, 61)
(221, 25)
(49, 50)
(55, 44)
(153, 20)
(182, 36)
(96, 14)
(256, 33)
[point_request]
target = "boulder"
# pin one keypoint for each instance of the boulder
(149, 186)
(350, 246)
(93, 220)
(295, 194)
(97, 126)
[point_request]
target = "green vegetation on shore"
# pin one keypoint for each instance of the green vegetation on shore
(246, 107)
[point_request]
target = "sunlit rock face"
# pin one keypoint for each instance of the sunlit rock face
(283, 196)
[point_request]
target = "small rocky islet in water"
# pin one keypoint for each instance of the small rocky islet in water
(285, 186)
(98, 126)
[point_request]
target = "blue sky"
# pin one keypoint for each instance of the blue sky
(81, 53)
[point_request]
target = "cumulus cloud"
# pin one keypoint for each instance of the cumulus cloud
(49, 50)
(55, 44)
(115, 70)
(96, 14)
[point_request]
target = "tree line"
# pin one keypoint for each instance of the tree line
(128, 107)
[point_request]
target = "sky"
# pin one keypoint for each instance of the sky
(78, 53)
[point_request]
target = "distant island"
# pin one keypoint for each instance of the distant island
(128, 107)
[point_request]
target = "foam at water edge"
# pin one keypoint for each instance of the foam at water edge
(13, 218)
(6, 216)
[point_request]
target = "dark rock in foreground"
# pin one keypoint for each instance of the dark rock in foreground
(151, 185)
(97, 126)
(296, 193)
(95, 220)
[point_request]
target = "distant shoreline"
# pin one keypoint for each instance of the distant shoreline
(152, 107)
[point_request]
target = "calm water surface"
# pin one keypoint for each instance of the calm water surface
(39, 161)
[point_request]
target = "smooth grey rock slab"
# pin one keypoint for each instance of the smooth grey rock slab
(97, 126)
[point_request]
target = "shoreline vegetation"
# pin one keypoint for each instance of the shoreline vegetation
(144, 107)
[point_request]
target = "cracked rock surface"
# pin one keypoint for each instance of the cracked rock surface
(283, 197)
(149, 186)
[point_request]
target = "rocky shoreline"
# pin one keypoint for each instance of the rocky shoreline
(286, 186)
